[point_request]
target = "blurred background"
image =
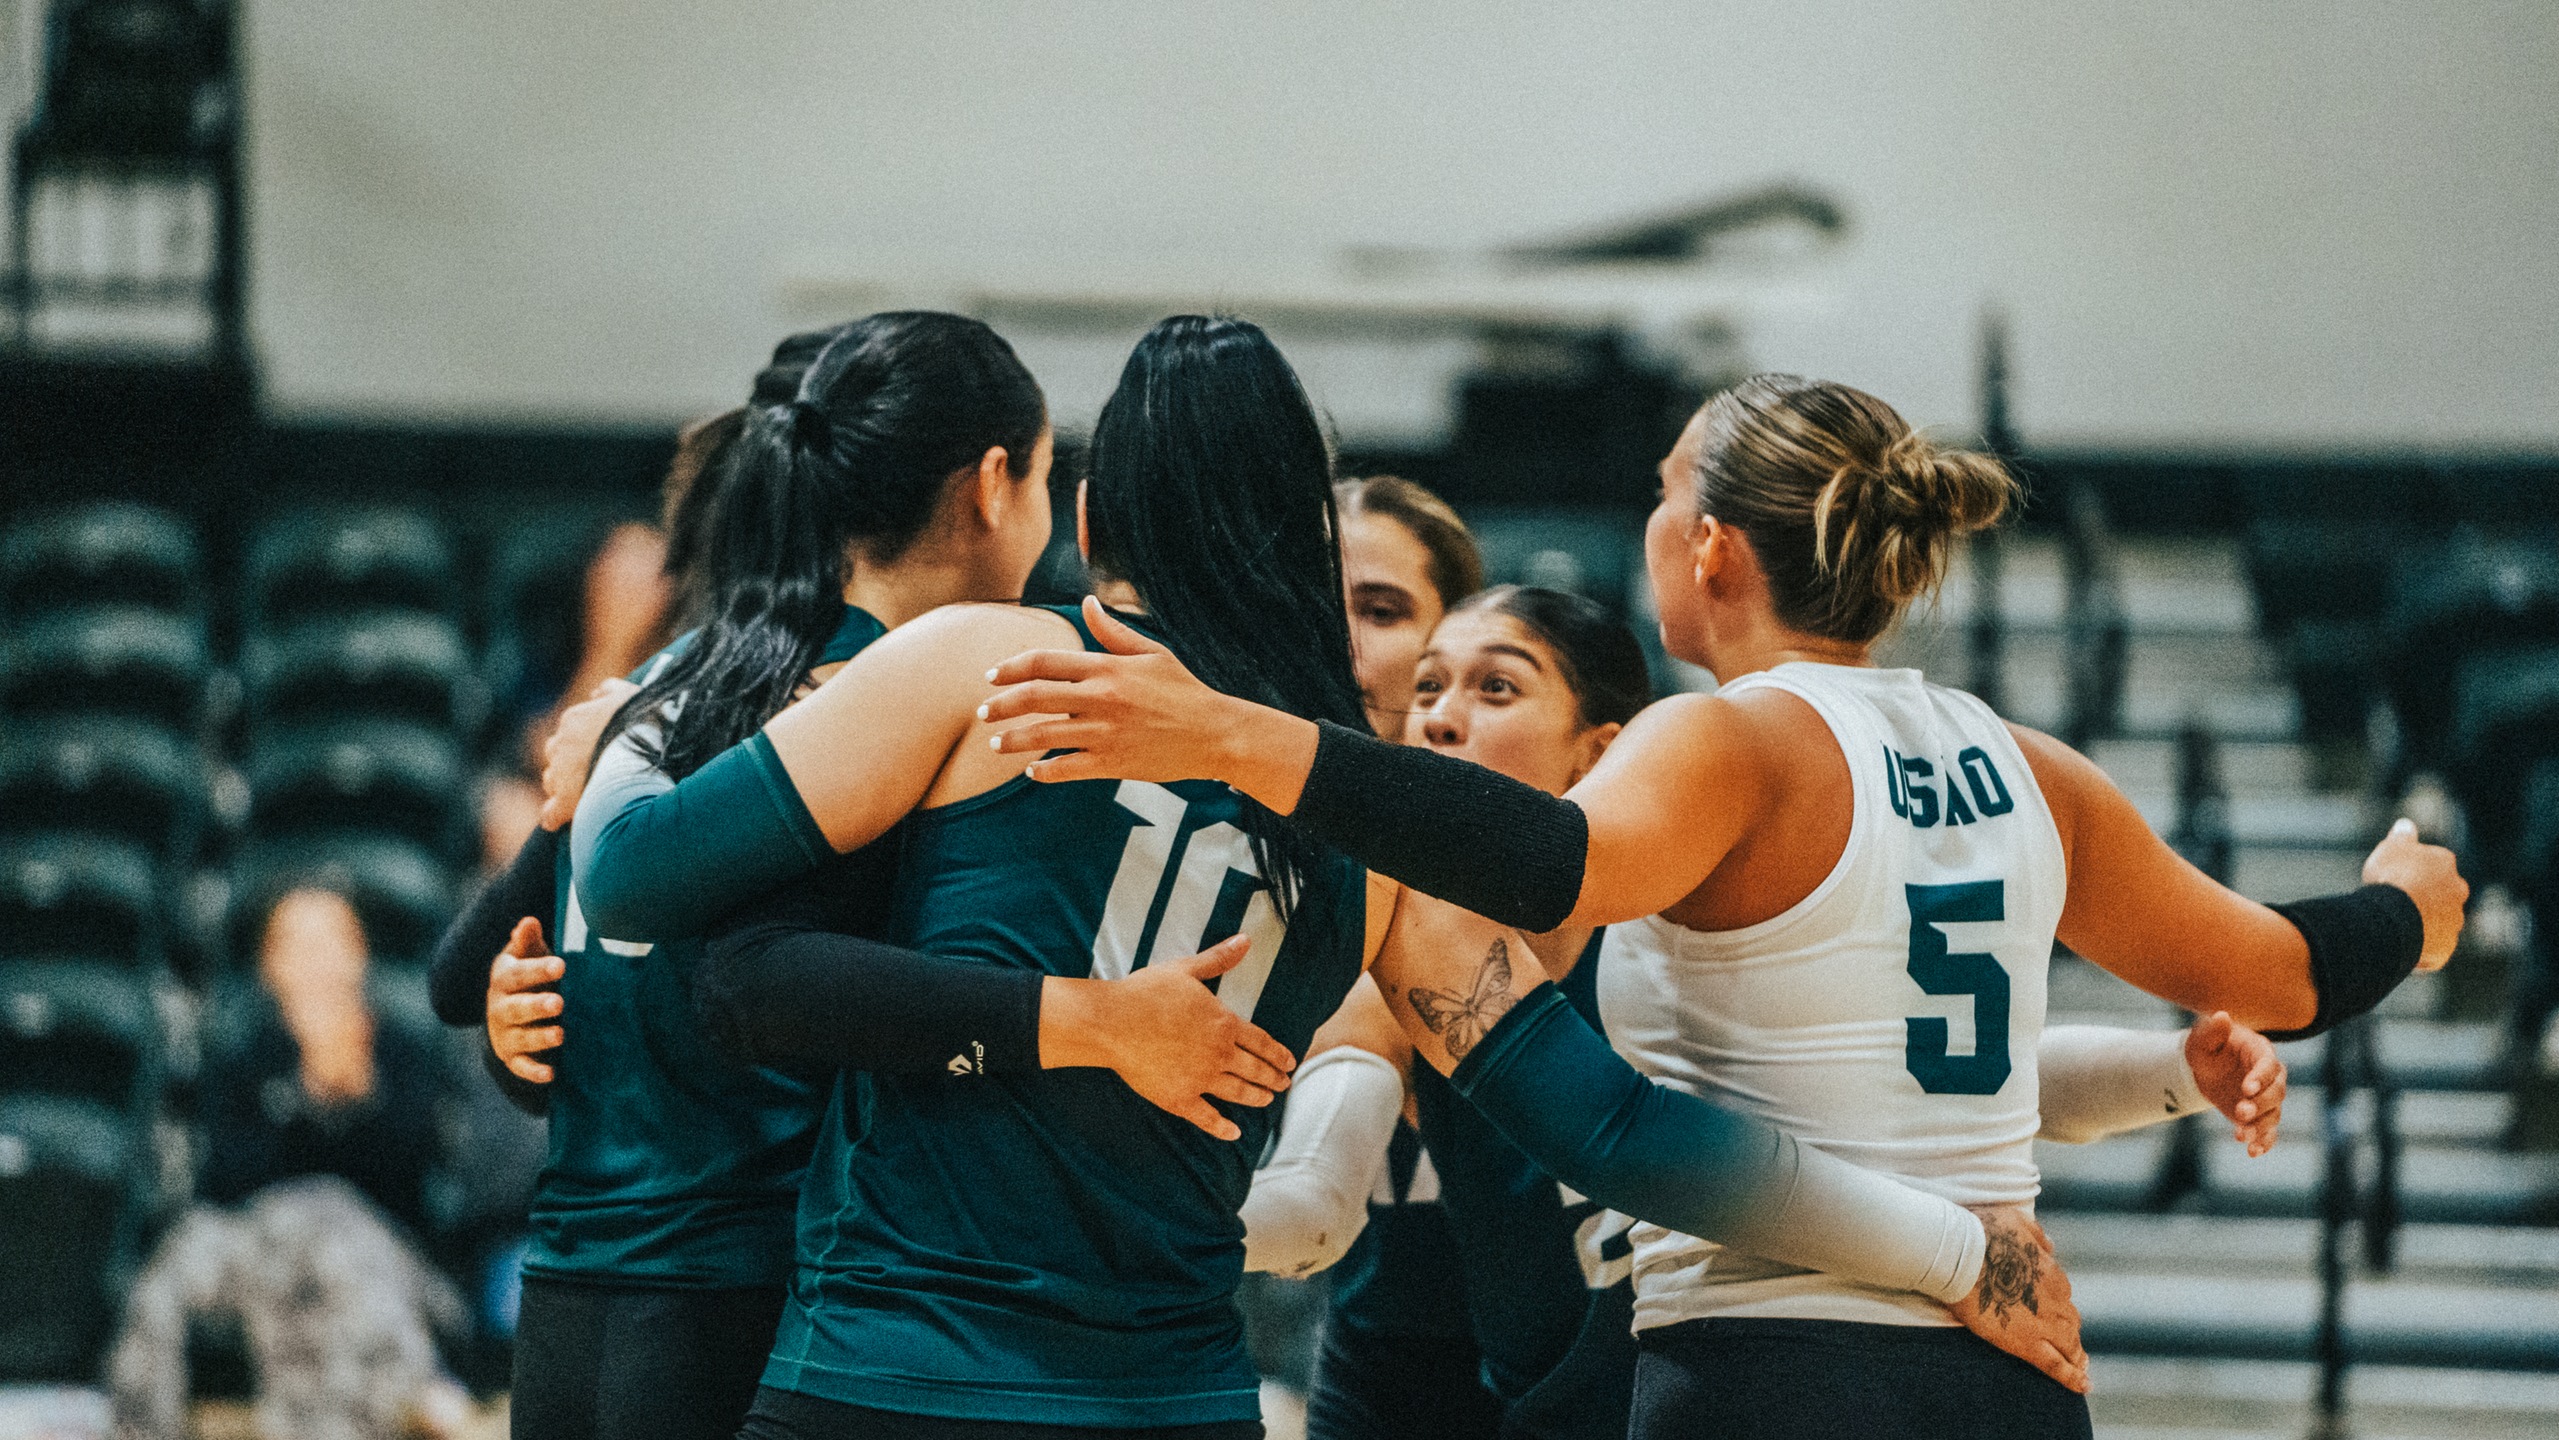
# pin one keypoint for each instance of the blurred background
(344, 347)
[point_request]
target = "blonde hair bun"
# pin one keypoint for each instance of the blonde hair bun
(1852, 512)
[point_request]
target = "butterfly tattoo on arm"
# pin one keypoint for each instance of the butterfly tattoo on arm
(1462, 1020)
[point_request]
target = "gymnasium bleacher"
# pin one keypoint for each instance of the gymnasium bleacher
(160, 789)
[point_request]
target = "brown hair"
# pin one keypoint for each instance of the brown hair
(1850, 510)
(1457, 567)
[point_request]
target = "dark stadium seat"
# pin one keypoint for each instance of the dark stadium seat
(330, 562)
(403, 893)
(100, 555)
(79, 1031)
(105, 773)
(387, 775)
(69, 1173)
(105, 658)
(2475, 597)
(382, 663)
(70, 894)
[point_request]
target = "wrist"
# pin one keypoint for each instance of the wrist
(1070, 1029)
(1265, 753)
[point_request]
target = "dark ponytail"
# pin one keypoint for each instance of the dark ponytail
(857, 453)
(1211, 493)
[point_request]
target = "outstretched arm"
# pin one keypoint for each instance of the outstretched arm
(1655, 816)
(2098, 1080)
(2140, 910)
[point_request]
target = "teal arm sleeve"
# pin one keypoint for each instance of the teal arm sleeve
(655, 859)
(1550, 1083)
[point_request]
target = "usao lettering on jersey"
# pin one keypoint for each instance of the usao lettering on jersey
(1182, 882)
(1973, 790)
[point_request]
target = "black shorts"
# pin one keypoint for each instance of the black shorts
(1399, 1387)
(789, 1415)
(623, 1362)
(1833, 1380)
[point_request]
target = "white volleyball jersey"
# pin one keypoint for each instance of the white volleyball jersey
(1891, 1016)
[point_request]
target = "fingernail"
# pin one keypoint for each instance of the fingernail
(981, 712)
(990, 677)
(995, 743)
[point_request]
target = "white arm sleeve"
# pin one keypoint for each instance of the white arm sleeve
(1311, 1201)
(2100, 1081)
(1836, 1219)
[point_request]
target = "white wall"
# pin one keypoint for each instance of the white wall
(2255, 224)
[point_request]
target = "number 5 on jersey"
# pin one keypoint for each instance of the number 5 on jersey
(1216, 863)
(1973, 973)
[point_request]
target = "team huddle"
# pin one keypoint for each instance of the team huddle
(954, 996)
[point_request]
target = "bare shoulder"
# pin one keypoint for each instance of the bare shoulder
(997, 631)
(1709, 721)
(956, 643)
(2071, 782)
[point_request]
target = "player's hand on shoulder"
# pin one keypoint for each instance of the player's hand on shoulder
(571, 749)
(522, 1016)
(2237, 1070)
(2432, 878)
(1136, 713)
(2022, 1304)
(1167, 1034)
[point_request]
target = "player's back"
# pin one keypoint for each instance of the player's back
(1889, 1017)
(1050, 1247)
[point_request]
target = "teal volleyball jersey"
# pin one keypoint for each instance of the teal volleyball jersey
(670, 1163)
(1049, 1247)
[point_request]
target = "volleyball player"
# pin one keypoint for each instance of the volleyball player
(992, 1251)
(661, 1224)
(1534, 684)
(1804, 874)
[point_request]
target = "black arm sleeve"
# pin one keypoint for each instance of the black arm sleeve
(778, 987)
(1477, 839)
(2362, 944)
(458, 975)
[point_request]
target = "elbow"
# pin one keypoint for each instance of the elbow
(1297, 1223)
(2066, 1134)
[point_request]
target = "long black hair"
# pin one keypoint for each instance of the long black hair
(858, 453)
(1211, 492)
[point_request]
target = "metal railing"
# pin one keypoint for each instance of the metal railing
(2350, 1060)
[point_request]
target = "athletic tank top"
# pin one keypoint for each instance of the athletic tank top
(1049, 1247)
(669, 1163)
(1891, 1016)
